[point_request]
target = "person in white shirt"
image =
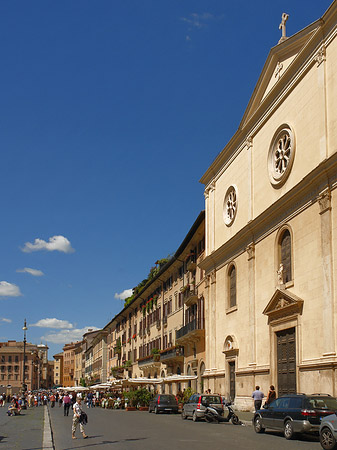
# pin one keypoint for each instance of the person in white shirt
(76, 418)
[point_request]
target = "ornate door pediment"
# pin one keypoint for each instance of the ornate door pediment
(283, 304)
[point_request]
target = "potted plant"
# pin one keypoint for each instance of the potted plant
(131, 400)
(143, 397)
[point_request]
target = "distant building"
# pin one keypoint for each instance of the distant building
(69, 364)
(58, 369)
(11, 366)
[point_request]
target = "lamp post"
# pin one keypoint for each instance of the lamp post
(24, 357)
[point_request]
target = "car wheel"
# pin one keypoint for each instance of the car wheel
(327, 440)
(194, 417)
(156, 410)
(183, 415)
(288, 430)
(258, 425)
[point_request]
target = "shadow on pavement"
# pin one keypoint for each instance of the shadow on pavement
(104, 442)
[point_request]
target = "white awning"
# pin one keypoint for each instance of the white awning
(144, 380)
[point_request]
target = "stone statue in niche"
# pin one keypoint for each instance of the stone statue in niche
(280, 274)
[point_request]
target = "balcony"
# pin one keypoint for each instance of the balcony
(190, 297)
(191, 265)
(172, 355)
(149, 362)
(191, 332)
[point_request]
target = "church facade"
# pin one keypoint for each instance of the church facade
(271, 228)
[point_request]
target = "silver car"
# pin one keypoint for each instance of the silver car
(328, 432)
(195, 406)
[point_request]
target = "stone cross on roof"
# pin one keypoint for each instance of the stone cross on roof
(282, 27)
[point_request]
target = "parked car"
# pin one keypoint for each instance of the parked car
(328, 432)
(297, 413)
(195, 406)
(164, 403)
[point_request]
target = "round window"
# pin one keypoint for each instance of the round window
(281, 155)
(230, 205)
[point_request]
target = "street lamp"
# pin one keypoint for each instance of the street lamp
(24, 357)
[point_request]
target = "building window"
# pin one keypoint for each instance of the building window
(230, 205)
(285, 257)
(232, 286)
(281, 155)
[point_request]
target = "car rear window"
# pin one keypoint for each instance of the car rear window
(214, 399)
(167, 397)
(329, 403)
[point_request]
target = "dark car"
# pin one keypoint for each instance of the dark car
(164, 403)
(195, 407)
(297, 413)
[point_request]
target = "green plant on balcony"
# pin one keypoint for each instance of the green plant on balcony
(128, 363)
(156, 354)
(118, 346)
(185, 289)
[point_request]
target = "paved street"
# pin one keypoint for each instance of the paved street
(122, 430)
(23, 432)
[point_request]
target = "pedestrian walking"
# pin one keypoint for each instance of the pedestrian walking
(257, 395)
(66, 404)
(78, 414)
(271, 396)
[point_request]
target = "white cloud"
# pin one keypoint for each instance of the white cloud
(123, 295)
(56, 243)
(53, 323)
(9, 289)
(34, 272)
(196, 20)
(3, 319)
(67, 336)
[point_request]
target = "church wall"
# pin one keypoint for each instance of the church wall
(301, 107)
(236, 174)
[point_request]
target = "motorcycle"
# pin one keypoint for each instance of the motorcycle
(212, 415)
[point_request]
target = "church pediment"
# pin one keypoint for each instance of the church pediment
(278, 63)
(283, 304)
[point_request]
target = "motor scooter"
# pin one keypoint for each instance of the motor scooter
(212, 415)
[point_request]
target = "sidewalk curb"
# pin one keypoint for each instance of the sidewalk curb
(48, 442)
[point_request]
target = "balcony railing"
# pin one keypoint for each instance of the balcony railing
(192, 327)
(146, 360)
(172, 353)
(190, 297)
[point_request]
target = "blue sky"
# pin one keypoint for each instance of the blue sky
(111, 111)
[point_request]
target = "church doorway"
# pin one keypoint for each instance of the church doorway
(232, 380)
(286, 361)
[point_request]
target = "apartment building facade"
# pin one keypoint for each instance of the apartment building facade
(161, 332)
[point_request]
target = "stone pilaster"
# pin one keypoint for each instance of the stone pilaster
(324, 202)
(251, 296)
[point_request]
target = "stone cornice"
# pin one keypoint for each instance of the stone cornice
(300, 197)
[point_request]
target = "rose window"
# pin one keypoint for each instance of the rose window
(230, 206)
(281, 155)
